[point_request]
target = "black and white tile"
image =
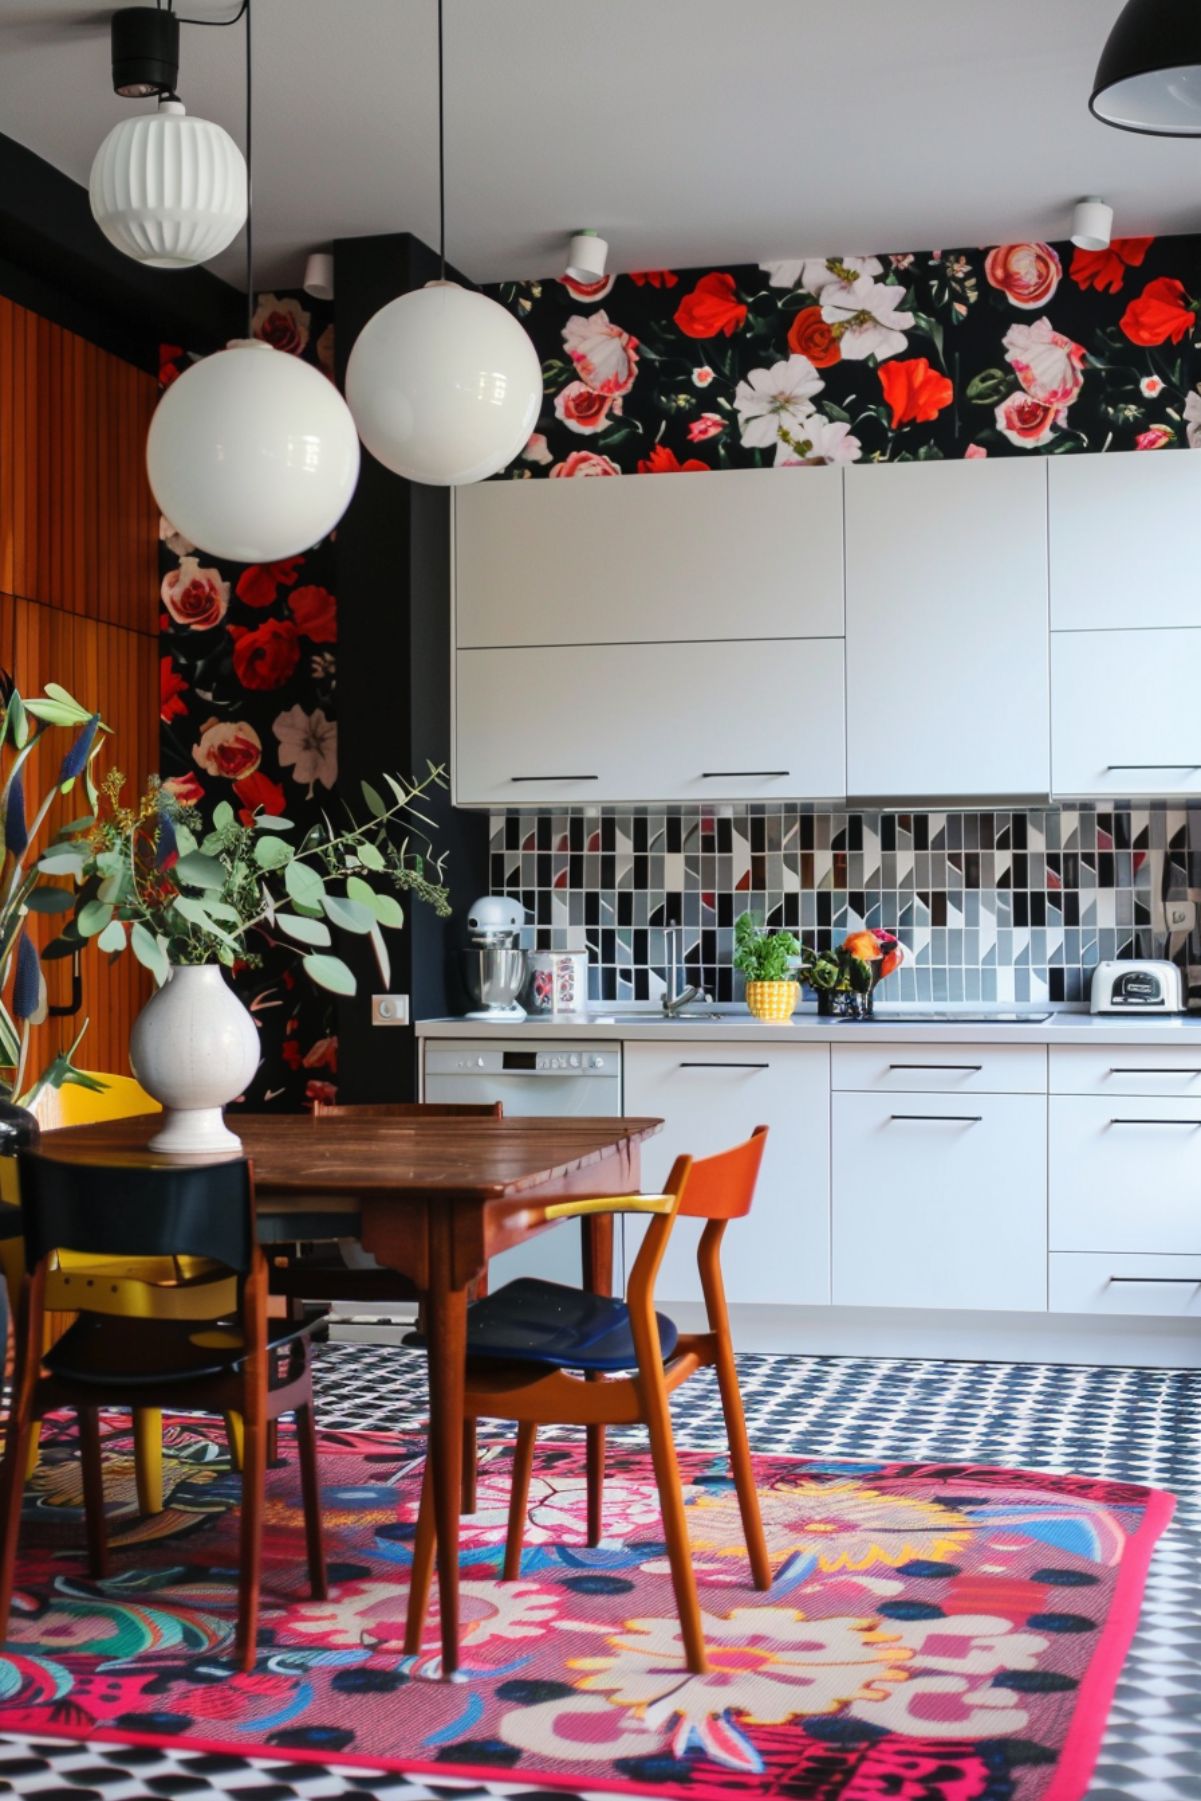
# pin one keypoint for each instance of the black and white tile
(1131, 1425)
(995, 906)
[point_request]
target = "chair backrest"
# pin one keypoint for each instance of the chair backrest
(723, 1186)
(72, 1105)
(112, 1209)
(407, 1110)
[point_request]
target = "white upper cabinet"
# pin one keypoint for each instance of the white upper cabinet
(747, 553)
(946, 626)
(1125, 714)
(1124, 541)
(653, 722)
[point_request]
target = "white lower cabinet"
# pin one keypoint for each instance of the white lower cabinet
(710, 1098)
(1158, 1287)
(940, 1200)
(1125, 1174)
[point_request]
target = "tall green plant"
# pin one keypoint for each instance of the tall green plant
(763, 956)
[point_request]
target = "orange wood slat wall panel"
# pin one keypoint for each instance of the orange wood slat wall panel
(79, 595)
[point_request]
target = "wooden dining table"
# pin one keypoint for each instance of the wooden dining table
(432, 1199)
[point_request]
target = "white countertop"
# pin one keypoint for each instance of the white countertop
(734, 1025)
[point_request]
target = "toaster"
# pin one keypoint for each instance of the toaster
(1143, 986)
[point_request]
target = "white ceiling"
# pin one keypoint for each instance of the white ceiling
(688, 131)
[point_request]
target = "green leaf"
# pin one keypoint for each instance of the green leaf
(359, 890)
(199, 871)
(50, 900)
(331, 973)
(272, 853)
(149, 952)
(223, 815)
(61, 861)
(383, 961)
(112, 888)
(51, 712)
(185, 841)
(10, 1040)
(112, 938)
(352, 916)
(304, 884)
(268, 822)
(197, 913)
(374, 800)
(371, 856)
(218, 909)
(383, 907)
(305, 931)
(92, 917)
(16, 722)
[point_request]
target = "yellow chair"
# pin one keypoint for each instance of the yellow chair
(146, 1287)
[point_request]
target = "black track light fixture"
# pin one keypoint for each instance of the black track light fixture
(145, 51)
(1149, 75)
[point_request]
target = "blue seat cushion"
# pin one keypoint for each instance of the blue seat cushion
(530, 1321)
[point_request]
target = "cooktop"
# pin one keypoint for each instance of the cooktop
(947, 1016)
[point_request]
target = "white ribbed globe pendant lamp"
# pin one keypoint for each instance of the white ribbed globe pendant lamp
(252, 454)
(169, 190)
(444, 384)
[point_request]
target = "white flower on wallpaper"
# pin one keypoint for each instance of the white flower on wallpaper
(308, 746)
(867, 317)
(769, 398)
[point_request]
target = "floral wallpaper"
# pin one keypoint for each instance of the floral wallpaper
(248, 711)
(1008, 351)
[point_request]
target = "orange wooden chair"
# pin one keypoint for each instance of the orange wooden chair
(542, 1354)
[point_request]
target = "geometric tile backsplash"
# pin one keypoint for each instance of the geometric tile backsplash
(995, 906)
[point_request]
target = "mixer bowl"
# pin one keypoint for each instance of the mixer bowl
(494, 974)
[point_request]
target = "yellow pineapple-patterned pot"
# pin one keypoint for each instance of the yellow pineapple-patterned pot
(773, 1002)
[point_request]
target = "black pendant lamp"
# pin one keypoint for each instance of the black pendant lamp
(1149, 75)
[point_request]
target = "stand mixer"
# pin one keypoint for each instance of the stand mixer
(493, 965)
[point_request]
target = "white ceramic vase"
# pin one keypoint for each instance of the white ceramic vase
(194, 1047)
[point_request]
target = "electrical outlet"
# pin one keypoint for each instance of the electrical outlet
(389, 1009)
(1181, 915)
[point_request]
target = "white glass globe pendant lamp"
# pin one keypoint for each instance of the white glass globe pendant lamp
(444, 384)
(252, 454)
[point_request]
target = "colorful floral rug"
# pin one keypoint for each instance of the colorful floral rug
(935, 1632)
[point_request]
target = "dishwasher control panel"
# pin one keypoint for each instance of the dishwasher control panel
(559, 1060)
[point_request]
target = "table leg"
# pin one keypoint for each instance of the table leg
(446, 1332)
(598, 1276)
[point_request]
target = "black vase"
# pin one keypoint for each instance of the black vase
(19, 1129)
(844, 1003)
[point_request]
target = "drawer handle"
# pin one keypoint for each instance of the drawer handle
(1116, 766)
(1149, 1071)
(937, 1066)
(554, 778)
(725, 1066)
(1192, 1124)
(959, 1119)
(1173, 1281)
(717, 775)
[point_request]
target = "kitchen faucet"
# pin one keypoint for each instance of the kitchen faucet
(676, 999)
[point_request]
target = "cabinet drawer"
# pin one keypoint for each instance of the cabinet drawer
(1170, 1071)
(1125, 1175)
(941, 1068)
(1169, 1287)
(940, 1201)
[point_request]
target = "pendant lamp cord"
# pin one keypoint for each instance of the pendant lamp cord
(441, 153)
(250, 178)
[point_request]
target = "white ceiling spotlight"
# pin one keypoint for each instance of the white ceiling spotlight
(319, 275)
(444, 384)
(1092, 224)
(167, 190)
(252, 453)
(587, 256)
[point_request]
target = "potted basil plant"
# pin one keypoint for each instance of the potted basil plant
(769, 961)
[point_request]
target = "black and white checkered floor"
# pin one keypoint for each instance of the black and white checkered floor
(1134, 1425)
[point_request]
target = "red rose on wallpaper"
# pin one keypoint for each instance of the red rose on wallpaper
(259, 584)
(1160, 313)
(316, 614)
(282, 323)
(195, 597)
(322, 1055)
(170, 686)
(913, 390)
(1156, 437)
(1026, 421)
(259, 791)
(1027, 274)
(1105, 270)
(655, 278)
(229, 747)
(583, 410)
(712, 307)
(663, 461)
(266, 657)
(605, 355)
(585, 462)
(290, 1051)
(706, 425)
(809, 335)
(169, 358)
(188, 789)
(320, 1091)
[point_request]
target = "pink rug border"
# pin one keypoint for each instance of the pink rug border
(1073, 1770)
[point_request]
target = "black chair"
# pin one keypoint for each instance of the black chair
(243, 1363)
